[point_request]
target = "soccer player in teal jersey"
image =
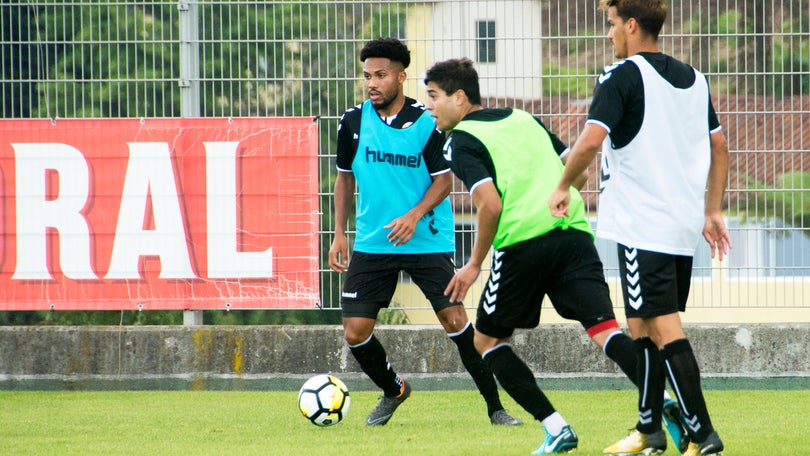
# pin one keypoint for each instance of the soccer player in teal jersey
(389, 148)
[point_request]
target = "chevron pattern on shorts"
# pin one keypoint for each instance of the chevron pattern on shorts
(491, 291)
(633, 279)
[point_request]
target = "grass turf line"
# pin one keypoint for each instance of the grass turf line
(429, 423)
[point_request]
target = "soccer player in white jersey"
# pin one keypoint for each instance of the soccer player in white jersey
(664, 172)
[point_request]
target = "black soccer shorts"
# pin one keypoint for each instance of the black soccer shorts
(653, 283)
(562, 264)
(371, 280)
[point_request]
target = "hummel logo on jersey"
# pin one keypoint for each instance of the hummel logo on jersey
(352, 295)
(448, 150)
(604, 174)
(606, 73)
(612, 67)
(432, 222)
(379, 156)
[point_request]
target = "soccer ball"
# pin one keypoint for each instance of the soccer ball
(324, 400)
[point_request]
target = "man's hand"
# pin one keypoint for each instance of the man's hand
(339, 254)
(559, 201)
(401, 229)
(716, 234)
(461, 282)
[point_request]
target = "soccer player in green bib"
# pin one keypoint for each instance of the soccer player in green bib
(510, 163)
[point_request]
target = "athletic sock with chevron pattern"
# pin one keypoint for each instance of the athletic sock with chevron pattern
(651, 385)
(684, 376)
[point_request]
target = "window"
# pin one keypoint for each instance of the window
(701, 261)
(486, 41)
(761, 249)
(608, 253)
(768, 248)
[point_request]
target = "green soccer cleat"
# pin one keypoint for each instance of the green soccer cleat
(675, 426)
(564, 442)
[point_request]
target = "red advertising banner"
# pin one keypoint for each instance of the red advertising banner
(159, 214)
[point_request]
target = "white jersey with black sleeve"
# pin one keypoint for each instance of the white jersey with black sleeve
(653, 186)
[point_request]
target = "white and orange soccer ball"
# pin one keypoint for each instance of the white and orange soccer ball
(324, 400)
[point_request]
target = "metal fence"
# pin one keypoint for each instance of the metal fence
(229, 58)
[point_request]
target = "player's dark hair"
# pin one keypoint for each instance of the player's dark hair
(456, 74)
(650, 14)
(389, 48)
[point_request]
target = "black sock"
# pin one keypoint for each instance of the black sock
(651, 383)
(620, 348)
(479, 372)
(372, 359)
(517, 379)
(684, 376)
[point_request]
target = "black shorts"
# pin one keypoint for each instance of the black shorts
(372, 279)
(562, 264)
(653, 283)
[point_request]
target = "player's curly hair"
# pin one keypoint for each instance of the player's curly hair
(454, 74)
(389, 48)
(650, 14)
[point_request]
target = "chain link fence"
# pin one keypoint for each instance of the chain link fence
(234, 58)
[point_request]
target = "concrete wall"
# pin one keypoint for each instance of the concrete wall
(279, 357)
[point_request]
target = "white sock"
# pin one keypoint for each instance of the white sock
(554, 423)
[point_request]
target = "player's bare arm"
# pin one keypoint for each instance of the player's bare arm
(344, 195)
(403, 227)
(577, 162)
(714, 228)
(488, 205)
(580, 181)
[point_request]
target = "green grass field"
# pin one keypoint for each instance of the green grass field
(760, 422)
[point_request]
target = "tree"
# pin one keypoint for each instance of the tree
(774, 45)
(107, 61)
(19, 60)
(787, 200)
(257, 59)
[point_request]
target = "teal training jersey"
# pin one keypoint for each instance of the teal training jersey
(392, 178)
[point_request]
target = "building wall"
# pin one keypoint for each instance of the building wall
(443, 30)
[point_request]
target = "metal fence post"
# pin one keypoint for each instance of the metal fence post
(190, 89)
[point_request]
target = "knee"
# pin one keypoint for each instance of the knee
(357, 332)
(453, 319)
(353, 339)
(483, 343)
